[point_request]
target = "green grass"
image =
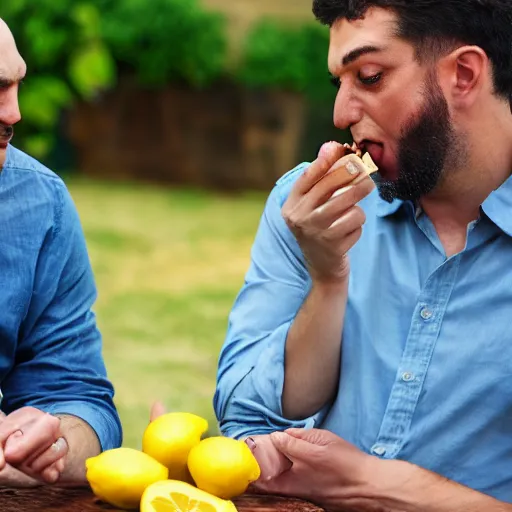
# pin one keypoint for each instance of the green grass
(168, 265)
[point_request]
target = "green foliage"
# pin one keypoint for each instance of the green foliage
(287, 57)
(167, 40)
(76, 50)
(66, 57)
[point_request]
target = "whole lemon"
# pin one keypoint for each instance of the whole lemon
(223, 466)
(121, 476)
(170, 438)
(173, 495)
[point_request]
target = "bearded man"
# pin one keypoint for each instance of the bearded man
(387, 350)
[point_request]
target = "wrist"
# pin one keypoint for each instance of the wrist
(389, 485)
(404, 487)
(332, 286)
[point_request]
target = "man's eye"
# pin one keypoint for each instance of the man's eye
(370, 80)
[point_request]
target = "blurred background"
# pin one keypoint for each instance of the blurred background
(170, 121)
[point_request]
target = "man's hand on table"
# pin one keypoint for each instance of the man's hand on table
(318, 466)
(315, 465)
(33, 449)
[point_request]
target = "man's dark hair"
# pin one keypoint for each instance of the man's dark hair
(435, 27)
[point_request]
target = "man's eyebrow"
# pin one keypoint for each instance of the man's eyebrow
(355, 54)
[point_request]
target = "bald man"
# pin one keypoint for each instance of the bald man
(56, 405)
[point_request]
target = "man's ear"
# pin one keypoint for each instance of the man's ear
(463, 74)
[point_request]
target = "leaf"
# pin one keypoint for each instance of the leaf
(42, 99)
(87, 17)
(38, 145)
(92, 69)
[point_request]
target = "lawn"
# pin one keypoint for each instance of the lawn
(168, 265)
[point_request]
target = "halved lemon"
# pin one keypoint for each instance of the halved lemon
(177, 496)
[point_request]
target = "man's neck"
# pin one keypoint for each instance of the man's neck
(456, 203)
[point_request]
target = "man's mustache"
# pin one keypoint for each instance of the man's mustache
(6, 132)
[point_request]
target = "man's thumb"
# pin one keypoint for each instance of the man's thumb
(319, 437)
(289, 446)
(157, 409)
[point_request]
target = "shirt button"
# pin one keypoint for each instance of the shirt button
(379, 450)
(407, 377)
(426, 314)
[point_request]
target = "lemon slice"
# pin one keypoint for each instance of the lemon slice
(177, 496)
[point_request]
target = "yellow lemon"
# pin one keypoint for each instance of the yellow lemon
(120, 476)
(176, 496)
(223, 466)
(170, 438)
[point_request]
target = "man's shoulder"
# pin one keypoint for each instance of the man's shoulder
(17, 160)
(31, 194)
(23, 175)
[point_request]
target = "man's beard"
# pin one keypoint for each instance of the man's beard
(428, 143)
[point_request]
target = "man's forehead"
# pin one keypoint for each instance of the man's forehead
(12, 66)
(376, 29)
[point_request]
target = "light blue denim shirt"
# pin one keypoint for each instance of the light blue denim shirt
(426, 369)
(50, 350)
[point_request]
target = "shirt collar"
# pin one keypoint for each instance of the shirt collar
(8, 157)
(498, 207)
(384, 209)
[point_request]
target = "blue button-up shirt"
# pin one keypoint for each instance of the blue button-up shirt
(426, 371)
(50, 350)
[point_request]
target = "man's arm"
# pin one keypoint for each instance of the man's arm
(59, 367)
(83, 443)
(401, 486)
(321, 212)
(251, 364)
(279, 365)
(319, 466)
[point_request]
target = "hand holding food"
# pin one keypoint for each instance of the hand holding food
(322, 210)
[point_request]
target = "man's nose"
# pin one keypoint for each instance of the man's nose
(347, 110)
(9, 107)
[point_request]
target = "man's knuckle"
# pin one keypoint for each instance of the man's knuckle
(53, 421)
(294, 222)
(359, 215)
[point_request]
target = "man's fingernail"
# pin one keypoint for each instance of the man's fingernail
(59, 445)
(251, 443)
(352, 168)
(350, 164)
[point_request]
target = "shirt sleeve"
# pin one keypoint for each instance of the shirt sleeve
(59, 366)
(251, 365)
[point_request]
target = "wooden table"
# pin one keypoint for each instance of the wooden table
(50, 499)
